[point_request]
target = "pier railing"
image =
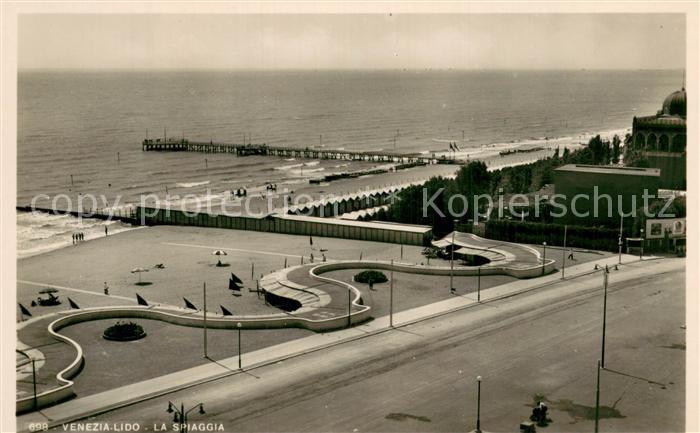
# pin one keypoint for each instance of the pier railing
(184, 145)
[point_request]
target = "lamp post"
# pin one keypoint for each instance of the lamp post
(478, 404)
(205, 319)
(544, 255)
(180, 416)
(597, 399)
(641, 245)
(36, 402)
(240, 361)
(605, 312)
(452, 258)
(349, 307)
(619, 242)
(391, 295)
(478, 284)
(563, 254)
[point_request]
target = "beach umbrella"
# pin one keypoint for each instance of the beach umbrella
(219, 253)
(139, 271)
(48, 290)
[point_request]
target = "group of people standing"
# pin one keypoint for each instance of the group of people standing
(78, 237)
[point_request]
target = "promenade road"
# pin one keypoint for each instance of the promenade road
(544, 342)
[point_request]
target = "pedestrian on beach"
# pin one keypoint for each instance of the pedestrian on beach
(311, 257)
(571, 254)
(73, 236)
(105, 230)
(106, 289)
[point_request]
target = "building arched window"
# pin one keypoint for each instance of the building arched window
(678, 144)
(651, 141)
(639, 140)
(663, 143)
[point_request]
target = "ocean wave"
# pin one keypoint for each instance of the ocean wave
(192, 184)
(288, 167)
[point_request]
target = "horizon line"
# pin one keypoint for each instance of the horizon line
(426, 69)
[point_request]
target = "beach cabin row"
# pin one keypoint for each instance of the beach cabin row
(294, 224)
(343, 205)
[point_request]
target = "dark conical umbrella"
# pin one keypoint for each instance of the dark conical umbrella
(232, 285)
(236, 279)
(73, 304)
(24, 310)
(189, 305)
(225, 311)
(140, 300)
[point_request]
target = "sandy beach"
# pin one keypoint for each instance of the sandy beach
(80, 271)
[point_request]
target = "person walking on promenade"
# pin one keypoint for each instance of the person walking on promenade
(571, 254)
(105, 230)
(106, 289)
(73, 236)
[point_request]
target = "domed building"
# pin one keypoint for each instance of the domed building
(661, 139)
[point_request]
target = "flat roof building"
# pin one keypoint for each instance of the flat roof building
(594, 195)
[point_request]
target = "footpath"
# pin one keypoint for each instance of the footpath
(80, 408)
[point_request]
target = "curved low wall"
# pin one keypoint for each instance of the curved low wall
(359, 314)
(63, 392)
(517, 272)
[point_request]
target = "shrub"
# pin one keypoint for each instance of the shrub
(124, 331)
(371, 276)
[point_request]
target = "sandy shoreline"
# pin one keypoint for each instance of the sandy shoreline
(258, 203)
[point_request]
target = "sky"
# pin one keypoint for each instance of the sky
(352, 41)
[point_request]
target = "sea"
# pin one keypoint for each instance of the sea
(79, 133)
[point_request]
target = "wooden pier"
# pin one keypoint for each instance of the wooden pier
(184, 145)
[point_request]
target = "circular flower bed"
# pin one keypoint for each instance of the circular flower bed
(124, 331)
(373, 277)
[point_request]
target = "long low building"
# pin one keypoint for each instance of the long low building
(294, 224)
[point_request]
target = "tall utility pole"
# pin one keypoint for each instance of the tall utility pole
(391, 295)
(597, 399)
(452, 258)
(544, 255)
(240, 358)
(478, 404)
(204, 289)
(605, 312)
(349, 307)
(478, 284)
(563, 254)
(619, 241)
(36, 402)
